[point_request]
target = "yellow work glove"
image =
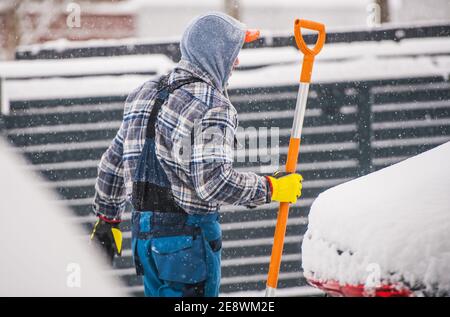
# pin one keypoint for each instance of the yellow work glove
(287, 188)
(108, 236)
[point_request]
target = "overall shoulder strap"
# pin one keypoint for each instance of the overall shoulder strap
(164, 89)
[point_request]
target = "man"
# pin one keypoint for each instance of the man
(172, 159)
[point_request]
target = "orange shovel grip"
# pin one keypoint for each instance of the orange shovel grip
(315, 26)
(309, 53)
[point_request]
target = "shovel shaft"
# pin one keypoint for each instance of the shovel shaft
(283, 211)
(299, 114)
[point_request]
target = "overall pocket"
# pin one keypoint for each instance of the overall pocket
(180, 259)
(215, 245)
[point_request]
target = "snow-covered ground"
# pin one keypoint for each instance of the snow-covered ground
(394, 223)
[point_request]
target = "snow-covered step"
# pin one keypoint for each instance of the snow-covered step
(385, 161)
(410, 142)
(81, 67)
(411, 124)
(416, 105)
(73, 127)
(64, 165)
(419, 87)
(68, 108)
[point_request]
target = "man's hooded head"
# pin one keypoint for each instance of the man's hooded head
(212, 42)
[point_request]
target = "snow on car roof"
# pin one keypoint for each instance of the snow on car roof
(396, 219)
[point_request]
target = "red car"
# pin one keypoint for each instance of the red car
(384, 234)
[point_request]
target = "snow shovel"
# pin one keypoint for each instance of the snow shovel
(294, 142)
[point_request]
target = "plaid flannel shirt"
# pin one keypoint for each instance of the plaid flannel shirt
(195, 134)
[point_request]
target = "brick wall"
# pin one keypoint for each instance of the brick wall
(94, 24)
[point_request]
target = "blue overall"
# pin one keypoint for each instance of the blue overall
(177, 254)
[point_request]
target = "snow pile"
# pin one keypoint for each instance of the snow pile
(43, 251)
(396, 220)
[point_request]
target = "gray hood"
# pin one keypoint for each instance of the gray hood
(212, 42)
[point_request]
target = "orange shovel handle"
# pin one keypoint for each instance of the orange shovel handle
(308, 60)
(294, 144)
(310, 25)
